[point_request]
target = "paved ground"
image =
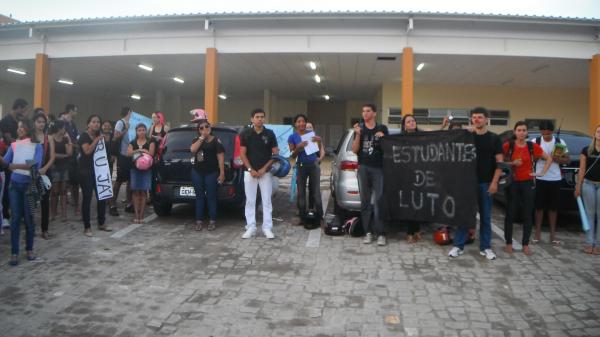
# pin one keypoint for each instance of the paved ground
(163, 278)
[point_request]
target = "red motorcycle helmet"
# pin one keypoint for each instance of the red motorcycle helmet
(471, 237)
(441, 236)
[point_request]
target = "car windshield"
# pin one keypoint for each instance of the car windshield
(179, 141)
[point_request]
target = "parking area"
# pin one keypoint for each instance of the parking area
(164, 278)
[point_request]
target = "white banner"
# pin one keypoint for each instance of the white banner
(102, 172)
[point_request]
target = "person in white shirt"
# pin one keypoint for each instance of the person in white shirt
(548, 186)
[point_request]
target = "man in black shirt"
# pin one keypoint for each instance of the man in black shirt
(367, 147)
(489, 152)
(257, 145)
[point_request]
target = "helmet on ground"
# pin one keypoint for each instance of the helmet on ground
(143, 161)
(441, 236)
(280, 167)
(353, 227)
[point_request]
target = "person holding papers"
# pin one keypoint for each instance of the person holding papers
(21, 156)
(304, 147)
(88, 142)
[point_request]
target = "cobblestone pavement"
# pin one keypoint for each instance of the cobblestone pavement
(165, 279)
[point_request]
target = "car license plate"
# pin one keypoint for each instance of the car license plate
(187, 191)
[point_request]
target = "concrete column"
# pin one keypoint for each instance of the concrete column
(408, 63)
(41, 87)
(211, 85)
(159, 100)
(594, 93)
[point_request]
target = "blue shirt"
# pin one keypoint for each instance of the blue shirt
(18, 177)
(296, 139)
(120, 126)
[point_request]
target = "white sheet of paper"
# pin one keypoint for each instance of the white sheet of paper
(311, 147)
(24, 150)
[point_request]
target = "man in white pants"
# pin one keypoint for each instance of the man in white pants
(257, 145)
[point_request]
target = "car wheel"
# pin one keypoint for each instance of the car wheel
(162, 208)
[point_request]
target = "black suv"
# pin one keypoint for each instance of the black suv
(576, 141)
(173, 182)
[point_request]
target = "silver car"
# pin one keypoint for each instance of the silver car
(344, 176)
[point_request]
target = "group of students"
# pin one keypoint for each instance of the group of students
(535, 183)
(52, 148)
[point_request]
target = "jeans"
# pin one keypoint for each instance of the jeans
(19, 208)
(370, 185)
(205, 186)
(590, 193)
(522, 193)
(485, 201)
(88, 186)
(266, 189)
(312, 173)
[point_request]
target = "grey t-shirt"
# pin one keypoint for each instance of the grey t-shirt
(120, 126)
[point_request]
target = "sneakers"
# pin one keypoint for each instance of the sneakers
(368, 238)
(269, 234)
(455, 252)
(5, 223)
(381, 240)
(249, 233)
(113, 211)
(488, 253)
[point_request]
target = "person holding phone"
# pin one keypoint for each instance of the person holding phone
(208, 170)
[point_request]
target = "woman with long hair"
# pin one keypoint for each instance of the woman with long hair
(413, 228)
(88, 141)
(208, 171)
(140, 178)
(588, 187)
(40, 122)
(21, 156)
(159, 129)
(521, 155)
(63, 150)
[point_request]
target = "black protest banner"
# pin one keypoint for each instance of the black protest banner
(430, 177)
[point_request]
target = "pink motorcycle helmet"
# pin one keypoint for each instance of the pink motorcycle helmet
(198, 115)
(143, 162)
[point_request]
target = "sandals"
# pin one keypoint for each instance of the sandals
(555, 242)
(508, 248)
(411, 238)
(88, 232)
(527, 251)
(588, 249)
(31, 257)
(418, 236)
(596, 251)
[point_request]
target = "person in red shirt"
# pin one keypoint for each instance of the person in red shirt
(521, 154)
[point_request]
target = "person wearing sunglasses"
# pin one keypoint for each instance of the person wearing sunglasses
(208, 170)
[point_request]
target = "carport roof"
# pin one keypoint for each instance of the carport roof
(311, 14)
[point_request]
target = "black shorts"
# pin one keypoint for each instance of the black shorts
(547, 194)
(123, 168)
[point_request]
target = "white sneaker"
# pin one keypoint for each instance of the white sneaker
(368, 238)
(249, 233)
(488, 253)
(269, 234)
(381, 240)
(455, 252)
(5, 223)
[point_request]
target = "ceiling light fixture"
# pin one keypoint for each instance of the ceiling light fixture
(312, 65)
(317, 78)
(420, 66)
(145, 67)
(326, 97)
(16, 71)
(136, 97)
(178, 80)
(67, 82)
(223, 96)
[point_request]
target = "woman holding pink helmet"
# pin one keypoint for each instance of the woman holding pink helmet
(141, 149)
